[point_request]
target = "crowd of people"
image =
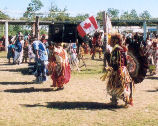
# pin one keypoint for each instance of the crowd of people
(58, 59)
(149, 49)
(20, 49)
(47, 58)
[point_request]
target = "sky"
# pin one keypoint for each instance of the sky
(15, 8)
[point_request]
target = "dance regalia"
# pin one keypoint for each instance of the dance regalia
(18, 51)
(96, 46)
(59, 67)
(155, 53)
(119, 83)
(41, 60)
(10, 53)
(73, 53)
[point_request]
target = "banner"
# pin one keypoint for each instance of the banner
(108, 24)
(87, 26)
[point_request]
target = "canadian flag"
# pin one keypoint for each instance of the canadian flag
(87, 26)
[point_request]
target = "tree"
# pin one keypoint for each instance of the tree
(32, 8)
(14, 29)
(113, 13)
(100, 16)
(81, 17)
(3, 15)
(125, 16)
(134, 15)
(57, 14)
(145, 15)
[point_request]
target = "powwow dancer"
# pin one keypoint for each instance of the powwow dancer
(10, 53)
(31, 55)
(25, 51)
(156, 58)
(18, 51)
(41, 60)
(59, 67)
(81, 55)
(73, 56)
(96, 45)
(149, 52)
(119, 83)
(155, 54)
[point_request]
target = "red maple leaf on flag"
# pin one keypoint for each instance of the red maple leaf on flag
(87, 25)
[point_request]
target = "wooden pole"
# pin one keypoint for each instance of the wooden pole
(37, 28)
(33, 30)
(105, 29)
(105, 38)
(104, 21)
(6, 36)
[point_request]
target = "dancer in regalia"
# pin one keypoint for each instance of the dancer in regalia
(119, 83)
(59, 67)
(41, 60)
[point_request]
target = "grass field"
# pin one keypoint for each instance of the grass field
(83, 102)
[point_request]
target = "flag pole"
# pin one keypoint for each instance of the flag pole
(105, 36)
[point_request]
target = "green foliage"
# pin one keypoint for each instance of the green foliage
(43, 30)
(145, 15)
(32, 8)
(81, 17)
(125, 16)
(113, 13)
(3, 15)
(133, 14)
(99, 15)
(14, 29)
(57, 14)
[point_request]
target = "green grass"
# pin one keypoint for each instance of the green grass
(94, 67)
(88, 71)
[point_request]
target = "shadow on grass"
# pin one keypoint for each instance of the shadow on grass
(156, 90)
(98, 59)
(77, 105)
(88, 71)
(24, 71)
(7, 64)
(29, 90)
(16, 83)
(152, 78)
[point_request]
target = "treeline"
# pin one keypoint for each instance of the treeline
(57, 14)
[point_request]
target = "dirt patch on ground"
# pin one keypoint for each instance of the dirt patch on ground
(83, 102)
